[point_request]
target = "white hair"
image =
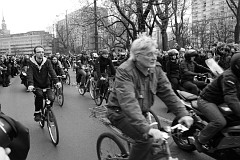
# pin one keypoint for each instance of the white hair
(143, 43)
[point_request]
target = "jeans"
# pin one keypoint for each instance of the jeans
(39, 96)
(142, 149)
(174, 83)
(81, 73)
(193, 86)
(216, 118)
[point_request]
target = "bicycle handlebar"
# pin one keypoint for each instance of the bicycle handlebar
(43, 89)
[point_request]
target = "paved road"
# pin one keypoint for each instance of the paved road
(78, 132)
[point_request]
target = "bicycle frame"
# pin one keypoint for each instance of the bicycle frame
(48, 115)
(47, 102)
(158, 147)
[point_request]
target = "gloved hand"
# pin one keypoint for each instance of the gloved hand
(30, 88)
(4, 153)
(186, 121)
(157, 134)
(58, 85)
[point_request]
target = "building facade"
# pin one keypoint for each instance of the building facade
(212, 20)
(23, 43)
(77, 30)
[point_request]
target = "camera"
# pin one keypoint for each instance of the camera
(7, 132)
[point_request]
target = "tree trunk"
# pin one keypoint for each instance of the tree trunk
(237, 32)
(164, 39)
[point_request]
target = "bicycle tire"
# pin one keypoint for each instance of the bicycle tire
(60, 97)
(81, 90)
(68, 79)
(91, 88)
(98, 99)
(115, 140)
(52, 122)
(107, 96)
(42, 122)
(156, 119)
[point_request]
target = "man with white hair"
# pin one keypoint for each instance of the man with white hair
(137, 81)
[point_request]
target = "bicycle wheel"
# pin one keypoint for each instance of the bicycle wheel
(154, 118)
(91, 88)
(98, 98)
(42, 122)
(60, 97)
(107, 95)
(68, 79)
(52, 127)
(81, 90)
(110, 147)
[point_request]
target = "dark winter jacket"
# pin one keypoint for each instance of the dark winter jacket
(134, 92)
(58, 68)
(224, 89)
(104, 65)
(172, 69)
(38, 75)
(188, 70)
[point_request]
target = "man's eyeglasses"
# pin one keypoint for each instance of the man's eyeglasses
(150, 54)
(40, 52)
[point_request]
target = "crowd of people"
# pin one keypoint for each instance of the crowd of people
(140, 74)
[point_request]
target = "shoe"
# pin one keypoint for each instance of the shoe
(37, 117)
(199, 146)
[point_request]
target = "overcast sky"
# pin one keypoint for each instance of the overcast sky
(32, 15)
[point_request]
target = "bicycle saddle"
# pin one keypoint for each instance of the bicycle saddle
(187, 96)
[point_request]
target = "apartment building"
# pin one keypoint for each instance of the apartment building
(210, 10)
(77, 29)
(212, 21)
(23, 43)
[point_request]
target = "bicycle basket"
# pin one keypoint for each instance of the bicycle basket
(100, 112)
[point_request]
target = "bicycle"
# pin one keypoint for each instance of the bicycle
(89, 85)
(116, 138)
(58, 92)
(48, 116)
(105, 87)
(67, 80)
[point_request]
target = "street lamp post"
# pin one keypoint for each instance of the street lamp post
(95, 25)
(67, 32)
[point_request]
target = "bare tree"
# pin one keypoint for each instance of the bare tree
(201, 34)
(163, 11)
(179, 22)
(234, 5)
(63, 36)
(222, 30)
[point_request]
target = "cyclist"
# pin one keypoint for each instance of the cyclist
(24, 68)
(188, 71)
(82, 63)
(4, 71)
(38, 76)
(172, 68)
(102, 69)
(224, 89)
(57, 66)
(137, 81)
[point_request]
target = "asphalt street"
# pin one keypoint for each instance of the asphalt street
(78, 132)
